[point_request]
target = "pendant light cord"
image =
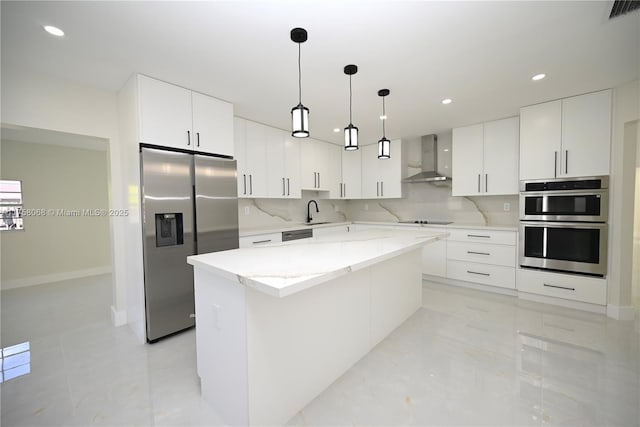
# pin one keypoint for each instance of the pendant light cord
(299, 77)
(350, 96)
(384, 114)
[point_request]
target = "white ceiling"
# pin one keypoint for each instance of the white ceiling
(480, 54)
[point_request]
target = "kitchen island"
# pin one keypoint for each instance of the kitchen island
(276, 325)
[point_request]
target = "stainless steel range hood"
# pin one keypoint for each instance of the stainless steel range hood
(429, 162)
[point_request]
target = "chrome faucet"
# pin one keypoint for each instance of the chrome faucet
(308, 206)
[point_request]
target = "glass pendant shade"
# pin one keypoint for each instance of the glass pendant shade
(300, 121)
(350, 138)
(384, 148)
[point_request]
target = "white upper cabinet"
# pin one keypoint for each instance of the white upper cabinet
(164, 114)
(485, 158)
(586, 134)
(283, 164)
(566, 138)
(466, 157)
(351, 174)
(318, 172)
(268, 161)
(172, 116)
(212, 125)
(333, 179)
(501, 147)
(382, 178)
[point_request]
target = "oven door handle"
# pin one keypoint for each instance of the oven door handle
(590, 192)
(577, 225)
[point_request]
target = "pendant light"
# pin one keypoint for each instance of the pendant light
(384, 145)
(350, 132)
(299, 113)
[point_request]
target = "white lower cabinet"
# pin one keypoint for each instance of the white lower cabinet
(434, 256)
(486, 274)
(260, 239)
(482, 256)
(591, 290)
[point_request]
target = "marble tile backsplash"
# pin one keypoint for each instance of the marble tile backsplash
(434, 202)
(424, 201)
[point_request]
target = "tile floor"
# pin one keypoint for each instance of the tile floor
(466, 358)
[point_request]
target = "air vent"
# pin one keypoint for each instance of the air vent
(620, 7)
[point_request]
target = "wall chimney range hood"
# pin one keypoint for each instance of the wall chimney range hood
(429, 165)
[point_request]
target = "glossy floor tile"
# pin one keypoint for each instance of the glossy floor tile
(465, 358)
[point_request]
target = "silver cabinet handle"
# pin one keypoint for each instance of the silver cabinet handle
(341, 193)
(244, 179)
(198, 139)
(188, 137)
(382, 188)
(559, 287)
(345, 189)
(288, 188)
(315, 180)
(377, 188)
(319, 180)
(486, 182)
(261, 241)
(555, 164)
(478, 273)
(566, 161)
(284, 191)
(478, 253)
(250, 184)
(478, 183)
(479, 235)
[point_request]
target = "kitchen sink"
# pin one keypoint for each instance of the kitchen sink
(316, 223)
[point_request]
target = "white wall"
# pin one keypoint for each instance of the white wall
(56, 246)
(626, 108)
(635, 281)
(40, 101)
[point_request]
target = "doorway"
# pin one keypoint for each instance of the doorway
(55, 270)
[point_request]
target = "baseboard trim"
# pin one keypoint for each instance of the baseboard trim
(118, 317)
(470, 285)
(577, 305)
(55, 277)
(621, 312)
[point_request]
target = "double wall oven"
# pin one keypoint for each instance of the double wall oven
(563, 224)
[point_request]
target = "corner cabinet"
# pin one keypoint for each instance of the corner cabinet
(382, 178)
(485, 158)
(566, 138)
(172, 116)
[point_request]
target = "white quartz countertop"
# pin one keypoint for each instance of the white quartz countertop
(280, 228)
(294, 226)
(452, 225)
(283, 269)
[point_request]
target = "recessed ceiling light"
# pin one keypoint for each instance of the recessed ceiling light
(336, 130)
(383, 117)
(447, 101)
(53, 30)
(538, 77)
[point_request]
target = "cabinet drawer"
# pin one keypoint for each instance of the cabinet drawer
(492, 275)
(482, 253)
(485, 236)
(260, 239)
(577, 288)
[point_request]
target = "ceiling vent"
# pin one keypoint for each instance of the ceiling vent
(620, 7)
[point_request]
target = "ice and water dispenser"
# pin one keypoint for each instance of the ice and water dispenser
(169, 229)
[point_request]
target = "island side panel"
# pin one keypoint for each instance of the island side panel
(396, 293)
(298, 345)
(221, 345)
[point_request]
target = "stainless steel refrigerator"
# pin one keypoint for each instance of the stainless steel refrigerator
(189, 206)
